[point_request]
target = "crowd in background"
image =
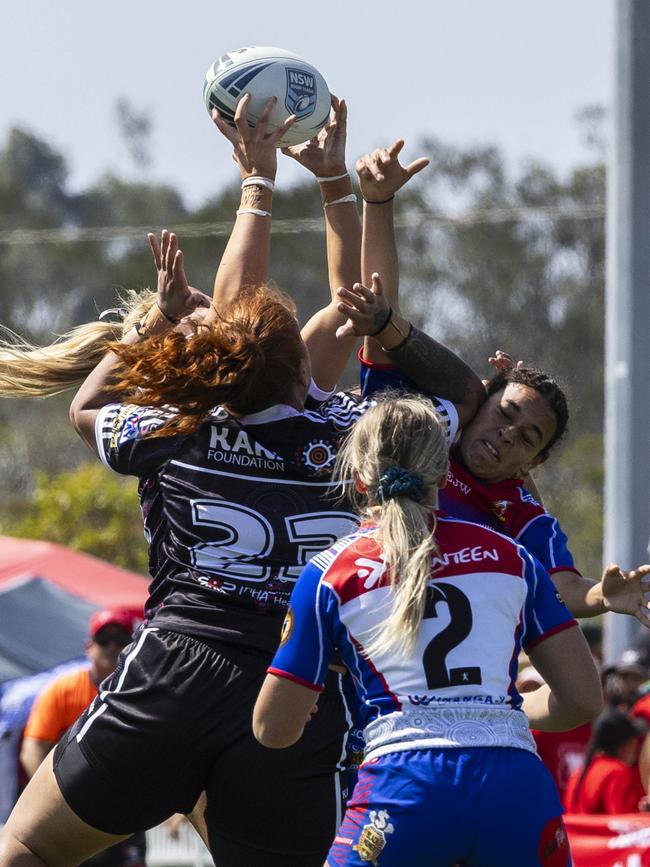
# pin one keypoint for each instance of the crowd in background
(602, 767)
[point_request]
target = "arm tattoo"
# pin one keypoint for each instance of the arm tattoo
(434, 368)
(251, 197)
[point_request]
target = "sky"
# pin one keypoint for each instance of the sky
(507, 72)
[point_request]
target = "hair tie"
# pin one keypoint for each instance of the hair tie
(398, 482)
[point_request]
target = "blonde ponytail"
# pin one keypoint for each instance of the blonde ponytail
(397, 455)
(27, 370)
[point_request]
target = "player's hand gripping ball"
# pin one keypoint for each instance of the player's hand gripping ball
(264, 72)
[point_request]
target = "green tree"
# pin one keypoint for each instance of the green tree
(87, 509)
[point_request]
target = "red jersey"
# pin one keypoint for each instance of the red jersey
(563, 752)
(610, 786)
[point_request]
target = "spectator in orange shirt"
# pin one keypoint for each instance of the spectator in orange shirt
(610, 781)
(63, 700)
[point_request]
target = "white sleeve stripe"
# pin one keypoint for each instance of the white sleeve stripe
(450, 414)
(101, 422)
(551, 552)
(320, 630)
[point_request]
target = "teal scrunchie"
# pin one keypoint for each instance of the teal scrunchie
(398, 482)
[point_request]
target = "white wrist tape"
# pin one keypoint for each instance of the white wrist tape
(256, 211)
(335, 178)
(351, 197)
(258, 181)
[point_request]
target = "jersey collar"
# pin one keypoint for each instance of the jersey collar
(272, 413)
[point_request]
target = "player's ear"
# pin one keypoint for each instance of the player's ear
(537, 461)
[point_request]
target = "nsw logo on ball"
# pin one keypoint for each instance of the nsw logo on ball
(301, 93)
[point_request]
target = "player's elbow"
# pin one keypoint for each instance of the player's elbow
(585, 702)
(274, 735)
(74, 414)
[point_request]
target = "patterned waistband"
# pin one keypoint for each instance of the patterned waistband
(448, 727)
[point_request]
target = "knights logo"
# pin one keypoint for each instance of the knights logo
(373, 836)
(499, 508)
(301, 93)
(287, 627)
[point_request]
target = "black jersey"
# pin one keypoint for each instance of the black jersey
(234, 511)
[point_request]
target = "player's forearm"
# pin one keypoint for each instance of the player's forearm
(245, 260)
(379, 254)
(328, 354)
(582, 596)
(547, 714)
(572, 694)
(379, 249)
(343, 234)
(432, 367)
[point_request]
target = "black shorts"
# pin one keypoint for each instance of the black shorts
(174, 720)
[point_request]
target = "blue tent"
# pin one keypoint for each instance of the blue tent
(41, 626)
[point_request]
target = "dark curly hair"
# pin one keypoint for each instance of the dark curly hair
(549, 389)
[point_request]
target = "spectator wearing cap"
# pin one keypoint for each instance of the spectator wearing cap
(622, 681)
(610, 780)
(64, 699)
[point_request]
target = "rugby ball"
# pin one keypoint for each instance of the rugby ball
(265, 72)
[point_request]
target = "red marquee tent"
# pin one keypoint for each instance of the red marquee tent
(47, 595)
(80, 574)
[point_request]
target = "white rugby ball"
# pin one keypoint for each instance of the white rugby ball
(265, 72)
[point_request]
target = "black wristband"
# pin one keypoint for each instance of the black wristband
(382, 202)
(168, 318)
(388, 318)
(399, 345)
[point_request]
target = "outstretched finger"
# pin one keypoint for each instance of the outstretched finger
(241, 118)
(164, 246)
(377, 285)
(358, 294)
(395, 148)
(168, 261)
(346, 330)
(354, 316)
(178, 269)
(278, 133)
(224, 127)
(155, 249)
(416, 166)
(642, 573)
(262, 123)
(341, 114)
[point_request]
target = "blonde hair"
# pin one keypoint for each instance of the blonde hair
(397, 453)
(27, 370)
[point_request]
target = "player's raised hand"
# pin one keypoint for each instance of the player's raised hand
(626, 592)
(254, 148)
(324, 155)
(367, 310)
(381, 174)
(176, 298)
(503, 361)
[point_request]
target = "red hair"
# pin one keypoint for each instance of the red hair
(245, 360)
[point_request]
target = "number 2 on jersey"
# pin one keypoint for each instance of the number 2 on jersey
(459, 627)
